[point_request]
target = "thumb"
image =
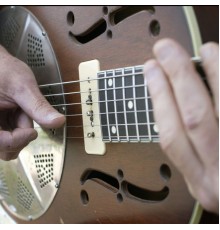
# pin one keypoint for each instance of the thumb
(38, 108)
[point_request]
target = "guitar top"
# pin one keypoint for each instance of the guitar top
(105, 165)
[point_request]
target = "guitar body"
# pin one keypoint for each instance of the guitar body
(125, 185)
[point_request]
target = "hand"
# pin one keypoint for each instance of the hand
(20, 103)
(186, 115)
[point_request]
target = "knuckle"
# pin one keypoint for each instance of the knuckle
(194, 116)
(7, 156)
(40, 106)
(4, 156)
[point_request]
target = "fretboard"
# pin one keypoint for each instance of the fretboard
(125, 106)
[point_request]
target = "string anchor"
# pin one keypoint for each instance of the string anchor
(89, 100)
(91, 135)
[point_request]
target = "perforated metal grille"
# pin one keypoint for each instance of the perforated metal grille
(44, 166)
(3, 185)
(8, 31)
(29, 184)
(35, 54)
(24, 197)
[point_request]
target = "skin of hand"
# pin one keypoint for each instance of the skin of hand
(21, 102)
(187, 116)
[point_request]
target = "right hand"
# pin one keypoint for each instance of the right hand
(21, 102)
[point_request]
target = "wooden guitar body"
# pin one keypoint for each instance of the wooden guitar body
(131, 182)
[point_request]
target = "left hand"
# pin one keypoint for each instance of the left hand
(186, 115)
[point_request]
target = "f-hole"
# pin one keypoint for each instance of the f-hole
(127, 11)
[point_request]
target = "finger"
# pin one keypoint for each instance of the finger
(30, 99)
(172, 136)
(192, 99)
(11, 143)
(23, 120)
(210, 58)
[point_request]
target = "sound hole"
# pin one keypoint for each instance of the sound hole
(155, 28)
(127, 11)
(120, 174)
(119, 197)
(144, 195)
(105, 10)
(44, 167)
(24, 196)
(165, 172)
(70, 18)
(102, 178)
(35, 54)
(84, 197)
(109, 34)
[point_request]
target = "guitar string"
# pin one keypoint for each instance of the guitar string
(100, 101)
(121, 124)
(118, 112)
(193, 59)
(116, 136)
(99, 78)
(100, 90)
(93, 79)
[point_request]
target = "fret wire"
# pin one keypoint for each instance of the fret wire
(106, 104)
(135, 106)
(125, 114)
(116, 117)
(147, 113)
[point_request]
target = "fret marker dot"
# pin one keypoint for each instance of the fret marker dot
(110, 82)
(130, 105)
(155, 127)
(113, 129)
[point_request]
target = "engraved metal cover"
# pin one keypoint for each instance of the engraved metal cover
(28, 184)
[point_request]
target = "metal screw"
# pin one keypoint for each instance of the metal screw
(90, 135)
(63, 109)
(56, 185)
(89, 113)
(43, 33)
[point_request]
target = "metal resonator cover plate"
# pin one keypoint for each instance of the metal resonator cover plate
(28, 184)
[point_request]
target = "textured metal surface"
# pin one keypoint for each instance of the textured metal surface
(28, 184)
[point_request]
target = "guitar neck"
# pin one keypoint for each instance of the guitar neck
(125, 106)
(118, 105)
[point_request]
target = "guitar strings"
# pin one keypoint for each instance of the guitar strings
(100, 101)
(118, 112)
(97, 78)
(195, 60)
(140, 73)
(91, 91)
(115, 137)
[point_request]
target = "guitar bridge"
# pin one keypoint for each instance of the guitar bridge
(90, 108)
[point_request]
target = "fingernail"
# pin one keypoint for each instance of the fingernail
(53, 116)
(207, 50)
(33, 135)
(150, 70)
(162, 49)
